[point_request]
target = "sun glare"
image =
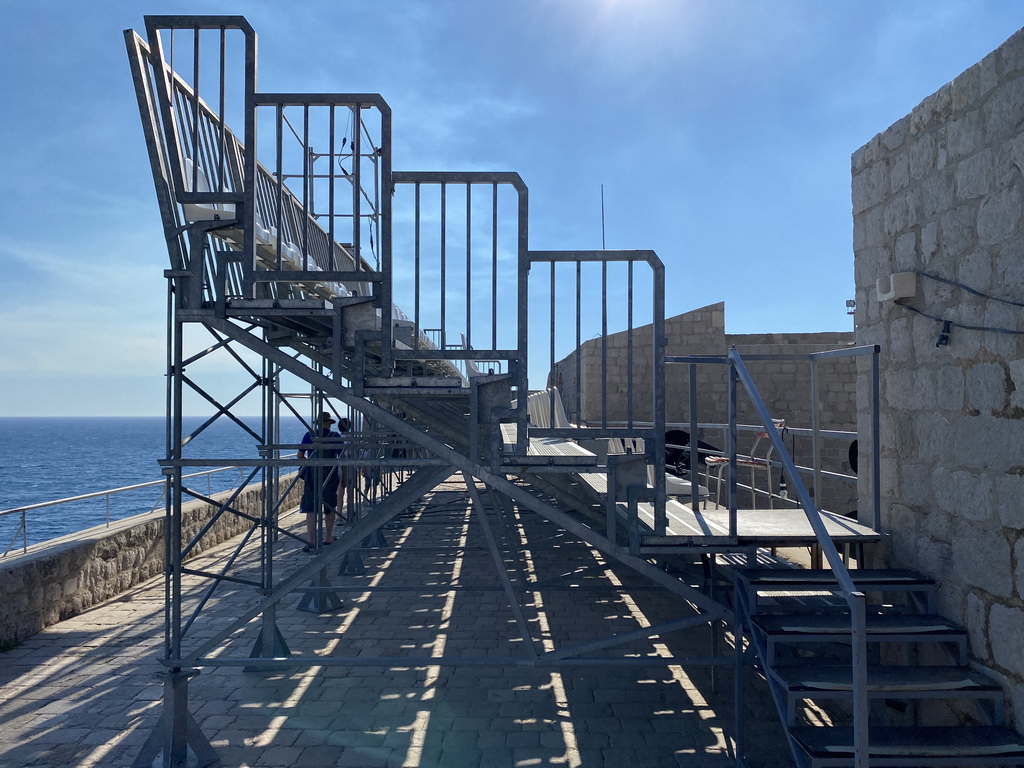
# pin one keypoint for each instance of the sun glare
(632, 34)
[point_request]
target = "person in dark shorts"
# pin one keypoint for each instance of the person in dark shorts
(327, 478)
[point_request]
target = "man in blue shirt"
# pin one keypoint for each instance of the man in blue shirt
(327, 479)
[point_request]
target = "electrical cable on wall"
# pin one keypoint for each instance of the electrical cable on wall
(967, 288)
(948, 325)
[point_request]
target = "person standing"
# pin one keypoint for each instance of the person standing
(323, 479)
(345, 426)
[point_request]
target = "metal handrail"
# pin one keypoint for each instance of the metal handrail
(872, 351)
(857, 601)
(106, 494)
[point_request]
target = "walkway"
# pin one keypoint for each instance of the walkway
(83, 692)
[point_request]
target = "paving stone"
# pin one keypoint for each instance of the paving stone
(392, 716)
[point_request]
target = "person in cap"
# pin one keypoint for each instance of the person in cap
(325, 479)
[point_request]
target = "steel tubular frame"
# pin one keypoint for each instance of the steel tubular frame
(229, 275)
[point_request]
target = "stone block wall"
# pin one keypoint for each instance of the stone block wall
(74, 573)
(940, 193)
(784, 385)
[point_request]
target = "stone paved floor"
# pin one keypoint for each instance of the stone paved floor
(84, 692)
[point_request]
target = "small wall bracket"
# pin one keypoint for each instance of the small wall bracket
(900, 285)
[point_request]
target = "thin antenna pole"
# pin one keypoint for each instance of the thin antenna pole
(602, 218)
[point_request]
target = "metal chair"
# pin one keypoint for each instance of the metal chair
(753, 462)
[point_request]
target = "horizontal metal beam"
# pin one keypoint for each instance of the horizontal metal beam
(322, 99)
(293, 462)
(625, 637)
(460, 177)
(647, 256)
(461, 661)
(200, 22)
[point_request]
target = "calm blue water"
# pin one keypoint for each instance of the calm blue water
(56, 457)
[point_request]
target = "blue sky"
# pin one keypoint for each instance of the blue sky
(721, 131)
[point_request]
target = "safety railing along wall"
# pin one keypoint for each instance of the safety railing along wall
(114, 506)
(836, 474)
(815, 436)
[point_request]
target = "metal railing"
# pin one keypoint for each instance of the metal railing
(815, 471)
(682, 466)
(816, 433)
(23, 511)
(460, 250)
(855, 600)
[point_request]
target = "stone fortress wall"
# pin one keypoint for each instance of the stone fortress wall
(784, 385)
(66, 577)
(940, 192)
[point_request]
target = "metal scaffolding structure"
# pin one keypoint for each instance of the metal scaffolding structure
(292, 245)
(285, 248)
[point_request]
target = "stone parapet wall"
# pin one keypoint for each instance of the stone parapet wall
(63, 578)
(941, 192)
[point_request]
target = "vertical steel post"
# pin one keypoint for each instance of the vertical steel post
(169, 444)
(694, 442)
(551, 342)
(579, 344)
(386, 235)
(416, 268)
(815, 432)
(659, 343)
(629, 344)
(469, 268)
(307, 183)
(332, 129)
(357, 206)
(443, 255)
(250, 169)
(279, 156)
(730, 441)
(494, 266)
(876, 444)
(861, 735)
(604, 345)
(522, 319)
(221, 170)
(172, 533)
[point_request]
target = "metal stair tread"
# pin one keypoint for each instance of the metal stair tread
(794, 578)
(962, 742)
(833, 677)
(878, 622)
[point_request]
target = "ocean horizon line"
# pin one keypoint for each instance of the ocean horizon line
(128, 416)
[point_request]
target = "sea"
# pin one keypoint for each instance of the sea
(49, 458)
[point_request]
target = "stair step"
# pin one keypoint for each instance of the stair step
(926, 681)
(867, 578)
(767, 589)
(879, 623)
(914, 746)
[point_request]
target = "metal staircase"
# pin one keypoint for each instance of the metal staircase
(297, 261)
(802, 640)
